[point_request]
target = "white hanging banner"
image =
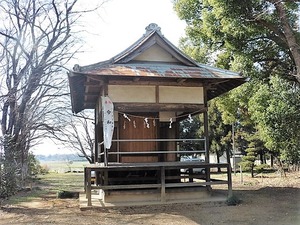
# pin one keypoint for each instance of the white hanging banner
(108, 120)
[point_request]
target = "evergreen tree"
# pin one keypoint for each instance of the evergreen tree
(275, 107)
(261, 39)
(219, 132)
(259, 34)
(189, 129)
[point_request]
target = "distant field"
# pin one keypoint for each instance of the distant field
(64, 166)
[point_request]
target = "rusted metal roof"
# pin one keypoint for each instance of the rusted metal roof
(163, 70)
(86, 81)
(86, 87)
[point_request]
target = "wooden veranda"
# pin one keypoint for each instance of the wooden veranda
(160, 182)
(160, 179)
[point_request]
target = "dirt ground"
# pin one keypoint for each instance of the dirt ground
(265, 200)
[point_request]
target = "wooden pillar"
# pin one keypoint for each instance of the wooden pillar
(190, 172)
(85, 180)
(229, 179)
(206, 134)
(163, 184)
(96, 150)
(89, 186)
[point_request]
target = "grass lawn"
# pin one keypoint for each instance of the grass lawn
(49, 185)
(62, 181)
(64, 166)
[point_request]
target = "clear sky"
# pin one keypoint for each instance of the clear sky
(117, 25)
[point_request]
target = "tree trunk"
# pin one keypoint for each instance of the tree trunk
(272, 161)
(252, 171)
(218, 161)
(261, 156)
(290, 37)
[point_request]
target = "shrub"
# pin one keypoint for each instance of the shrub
(67, 194)
(260, 168)
(233, 200)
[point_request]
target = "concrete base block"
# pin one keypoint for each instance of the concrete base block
(150, 197)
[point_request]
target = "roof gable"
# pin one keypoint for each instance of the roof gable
(153, 46)
(156, 54)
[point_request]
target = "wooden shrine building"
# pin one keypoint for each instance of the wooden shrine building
(151, 86)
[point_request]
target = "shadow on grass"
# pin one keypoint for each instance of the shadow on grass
(269, 205)
(25, 210)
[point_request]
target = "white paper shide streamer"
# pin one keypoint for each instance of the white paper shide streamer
(108, 120)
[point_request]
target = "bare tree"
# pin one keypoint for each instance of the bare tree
(36, 41)
(78, 135)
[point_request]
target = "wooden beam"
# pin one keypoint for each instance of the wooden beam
(157, 107)
(155, 81)
(93, 83)
(89, 105)
(127, 186)
(180, 81)
(142, 48)
(91, 94)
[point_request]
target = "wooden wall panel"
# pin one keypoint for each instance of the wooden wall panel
(132, 93)
(136, 128)
(168, 133)
(190, 95)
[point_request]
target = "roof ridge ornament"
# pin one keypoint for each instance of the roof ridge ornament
(76, 68)
(152, 27)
